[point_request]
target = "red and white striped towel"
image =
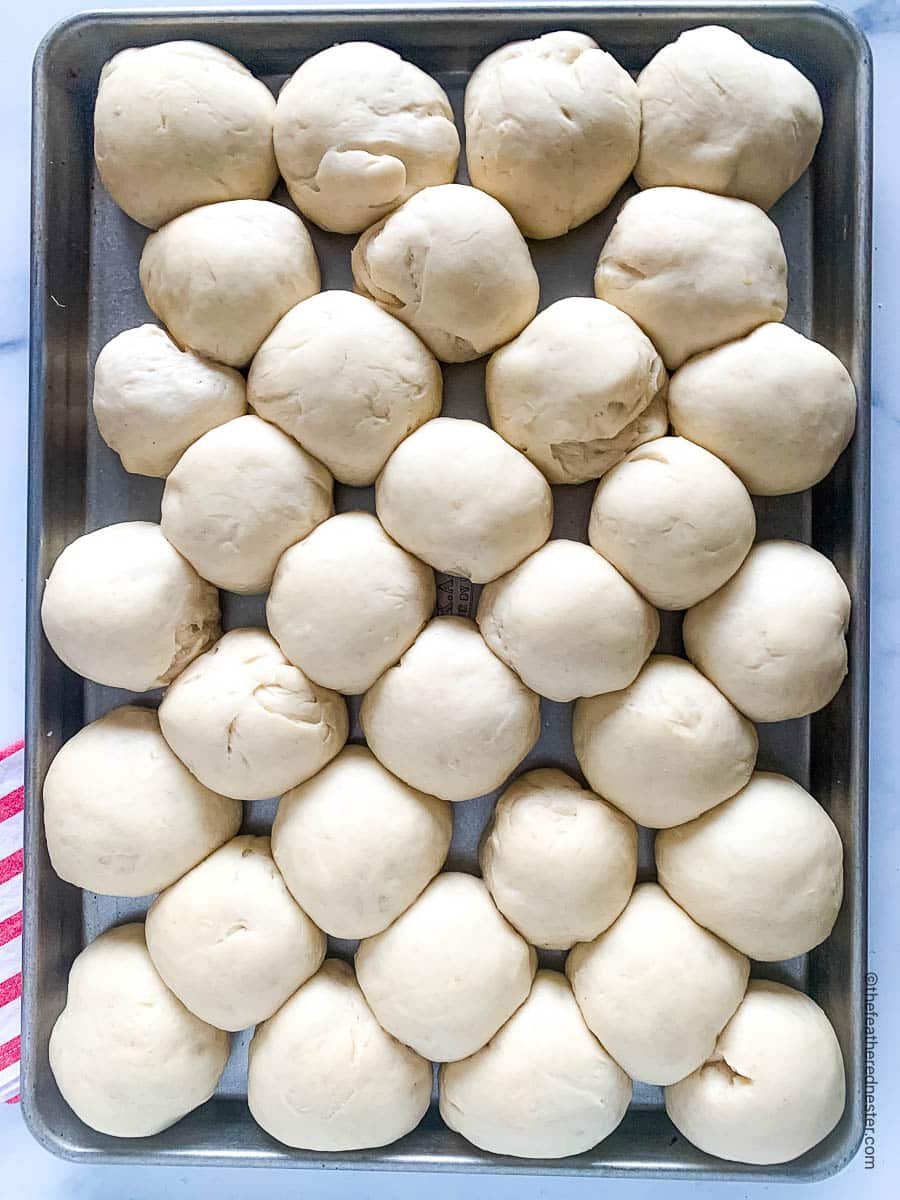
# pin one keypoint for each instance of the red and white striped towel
(12, 802)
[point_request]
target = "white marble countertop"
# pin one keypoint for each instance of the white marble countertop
(30, 1170)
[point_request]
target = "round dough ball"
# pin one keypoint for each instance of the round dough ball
(667, 748)
(458, 497)
(347, 380)
(778, 408)
(559, 862)
(655, 988)
(675, 521)
(229, 939)
(764, 870)
(568, 623)
(724, 117)
(122, 607)
(452, 265)
(347, 601)
(356, 823)
(358, 130)
(574, 380)
(247, 722)
(450, 718)
(448, 972)
(152, 399)
(122, 815)
(126, 1054)
(543, 1087)
(693, 270)
(552, 130)
(324, 1075)
(774, 1085)
(179, 125)
(222, 276)
(773, 638)
(239, 497)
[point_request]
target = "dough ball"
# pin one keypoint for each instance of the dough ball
(448, 972)
(450, 718)
(655, 988)
(667, 748)
(238, 498)
(777, 407)
(356, 823)
(552, 130)
(123, 608)
(764, 870)
(575, 381)
(543, 1087)
(179, 125)
(675, 521)
(347, 601)
(152, 400)
(247, 722)
(221, 277)
(229, 939)
(772, 1088)
(458, 497)
(324, 1075)
(347, 380)
(568, 623)
(773, 638)
(126, 1054)
(451, 263)
(693, 270)
(559, 862)
(721, 116)
(123, 816)
(358, 130)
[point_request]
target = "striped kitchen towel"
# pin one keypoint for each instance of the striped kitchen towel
(12, 800)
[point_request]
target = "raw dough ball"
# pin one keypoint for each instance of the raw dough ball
(222, 276)
(247, 722)
(179, 125)
(777, 407)
(356, 823)
(559, 862)
(239, 497)
(543, 1087)
(772, 1088)
(456, 495)
(358, 130)
(552, 130)
(773, 638)
(152, 400)
(655, 988)
(126, 1054)
(667, 748)
(347, 380)
(122, 607)
(568, 623)
(721, 116)
(123, 816)
(675, 520)
(764, 870)
(580, 375)
(324, 1075)
(229, 940)
(448, 972)
(450, 718)
(693, 270)
(451, 264)
(347, 601)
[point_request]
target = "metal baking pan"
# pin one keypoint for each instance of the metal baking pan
(85, 289)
